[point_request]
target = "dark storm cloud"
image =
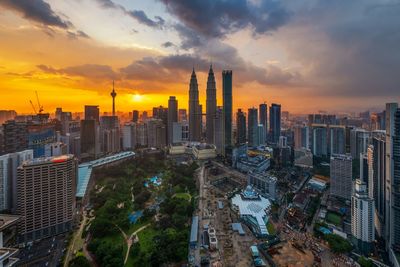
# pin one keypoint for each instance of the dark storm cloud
(108, 4)
(139, 15)
(353, 50)
(176, 68)
(170, 68)
(216, 18)
(90, 71)
(167, 44)
(142, 18)
(189, 38)
(38, 11)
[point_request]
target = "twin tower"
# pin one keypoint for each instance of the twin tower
(195, 110)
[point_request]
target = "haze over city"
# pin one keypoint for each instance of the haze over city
(308, 55)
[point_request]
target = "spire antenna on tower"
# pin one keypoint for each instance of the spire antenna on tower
(113, 95)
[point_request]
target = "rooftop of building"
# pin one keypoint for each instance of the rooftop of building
(263, 176)
(250, 203)
(45, 160)
(7, 220)
(341, 156)
(203, 146)
(321, 125)
(253, 159)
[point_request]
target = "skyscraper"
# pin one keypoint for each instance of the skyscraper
(129, 136)
(172, 117)
(240, 127)
(252, 126)
(8, 178)
(274, 123)
(362, 217)
(219, 130)
(376, 188)
(341, 176)
(211, 106)
(135, 115)
(319, 140)
(359, 139)
(182, 116)
(46, 197)
(227, 110)
(194, 116)
(392, 217)
(156, 132)
(264, 118)
(113, 95)
(393, 177)
(92, 113)
(15, 136)
(90, 141)
(110, 134)
(337, 139)
(301, 137)
(261, 134)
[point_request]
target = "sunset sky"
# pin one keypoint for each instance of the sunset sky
(307, 55)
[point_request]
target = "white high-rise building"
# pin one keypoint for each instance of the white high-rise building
(362, 216)
(8, 177)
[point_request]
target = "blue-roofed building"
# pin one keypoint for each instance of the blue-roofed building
(85, 169)
(252, 210)
(194, 232)
(254, 251)
(238, 228)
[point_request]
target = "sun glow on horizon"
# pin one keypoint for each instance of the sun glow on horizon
(137, 97)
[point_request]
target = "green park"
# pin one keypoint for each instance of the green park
(141, 213)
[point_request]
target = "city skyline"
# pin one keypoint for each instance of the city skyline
(149, 49)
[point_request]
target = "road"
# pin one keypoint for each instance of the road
(201, 175)
(78, 235)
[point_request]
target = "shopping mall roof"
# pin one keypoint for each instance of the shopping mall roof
(85, 169)
(249, 203)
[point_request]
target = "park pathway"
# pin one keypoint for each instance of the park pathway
(129, 240)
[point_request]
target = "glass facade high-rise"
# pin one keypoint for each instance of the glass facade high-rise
(396, 182)
(240, 127)
(92, 113)
(377, 181)
(211, 106)
(227, 110)
(194, 109)
(274, 123)
(337, 139)
(252, 126)
(263, 118)
(392, 214)
(172, 117)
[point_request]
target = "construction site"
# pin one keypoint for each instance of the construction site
(227, 239)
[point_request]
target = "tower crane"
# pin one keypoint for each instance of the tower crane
(40, 106)
(33, 106)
